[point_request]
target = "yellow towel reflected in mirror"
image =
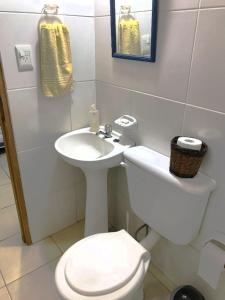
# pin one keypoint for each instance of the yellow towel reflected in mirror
(55, 59)
(129, 36)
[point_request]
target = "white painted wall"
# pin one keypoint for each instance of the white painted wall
(54, 191)
(181, 94)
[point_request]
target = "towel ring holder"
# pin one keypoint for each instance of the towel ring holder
(51, 9)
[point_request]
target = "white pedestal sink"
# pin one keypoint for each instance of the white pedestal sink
(94, 155)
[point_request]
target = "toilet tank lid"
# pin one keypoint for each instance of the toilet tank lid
(158, 165)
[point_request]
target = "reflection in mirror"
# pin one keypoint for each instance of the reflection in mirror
(133, 25)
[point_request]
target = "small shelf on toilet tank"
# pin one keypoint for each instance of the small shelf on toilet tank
(158, 164)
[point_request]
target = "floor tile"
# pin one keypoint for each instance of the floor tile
(154, 290)
(4, 295)
(160, 276)
(6, 196)
(4, 179)
(9, 223)
(67, 237)
(17, 259)
(36, 285)
(4, 163)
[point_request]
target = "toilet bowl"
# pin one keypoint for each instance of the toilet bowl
(105, 266)
(112, 266)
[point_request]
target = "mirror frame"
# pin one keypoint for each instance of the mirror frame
(152, 57)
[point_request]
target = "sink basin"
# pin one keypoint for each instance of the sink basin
(84, 149)
(94, 155)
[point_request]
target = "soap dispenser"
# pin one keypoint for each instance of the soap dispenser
(94, 119)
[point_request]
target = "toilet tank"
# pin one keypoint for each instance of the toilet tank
(174, 207)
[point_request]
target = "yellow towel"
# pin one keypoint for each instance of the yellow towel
(129, 37)
(55, 59)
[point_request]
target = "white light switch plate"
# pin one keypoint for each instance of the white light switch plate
(24, 57)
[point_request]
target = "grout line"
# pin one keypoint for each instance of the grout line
(54, 242)
(206, 109)
(139, 92)
(183, 120)
(22, 88)
(2, 277)
(4, 171)
(37, 87)
(161, 98)
(199, 8)
(10, 296)
(5, 285)
(41, 14)
(6, 183)
(7, 206)
(10, 236)
(165, 281)
(192, 58)
(108, 15)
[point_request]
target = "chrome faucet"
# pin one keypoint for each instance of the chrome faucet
(107, 133)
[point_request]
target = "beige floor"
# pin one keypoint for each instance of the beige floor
(27, 272)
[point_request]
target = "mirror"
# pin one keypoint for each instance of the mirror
(134, 29)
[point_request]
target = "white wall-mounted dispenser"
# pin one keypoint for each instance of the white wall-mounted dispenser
(126, 121)
(126, 126)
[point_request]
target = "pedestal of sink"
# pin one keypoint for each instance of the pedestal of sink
(94, 154)
(96, 216)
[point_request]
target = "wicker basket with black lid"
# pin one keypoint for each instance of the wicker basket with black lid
(185, 163)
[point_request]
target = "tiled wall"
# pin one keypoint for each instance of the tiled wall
(54, 191)
(181, 94)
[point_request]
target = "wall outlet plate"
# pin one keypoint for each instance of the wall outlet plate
(24, 57)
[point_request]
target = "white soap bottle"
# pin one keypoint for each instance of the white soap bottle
(94, 119)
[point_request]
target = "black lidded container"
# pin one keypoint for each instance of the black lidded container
(187, 292)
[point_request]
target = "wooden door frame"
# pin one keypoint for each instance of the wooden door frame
(7, 130)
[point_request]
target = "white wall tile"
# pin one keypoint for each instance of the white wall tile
(180, 264)
(212, 3)
(178, 4)
(102, 7)
(123, 87)
(43, 171)
(159, 121)
(112, 102)
(82, 36)
(23, 29)
(207, 86)
(210, 127)
(37, 120)
(168, 77)
(83, 97)
(9, 223)
(18, 29)
(68, 7)
(6, 198)
(49, 186)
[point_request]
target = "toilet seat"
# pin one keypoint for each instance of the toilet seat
(103, 266)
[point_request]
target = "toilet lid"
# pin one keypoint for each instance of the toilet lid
(104, 263)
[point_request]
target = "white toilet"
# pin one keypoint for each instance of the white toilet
(112, 266)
